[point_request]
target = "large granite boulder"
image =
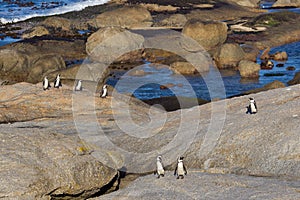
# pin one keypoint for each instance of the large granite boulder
(24, 62)
(41, 165)
(57, 23)
(175, 20)
(94, 72)
(251, 52)
(208, 34)
(248, 69)
(42, 157)
(229, 55)
(247, 3)
(30, 60)
(286, 3)
(125, 17)
(109, 43)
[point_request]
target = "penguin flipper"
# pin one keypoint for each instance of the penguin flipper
(175, 172)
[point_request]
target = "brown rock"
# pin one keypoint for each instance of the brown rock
(248, 69)
(265, 54)
(176, 20)
(266, 64)
(166, 86)
(125, 17)
(183, 68)
(138, 72)
(109, 43)
(208, 34)
(280, 56)
(291, 68)
(93, 72)
(229, 55)
(38, 161)
(23, 62)
(251, 52)
(286, 3)
(57, 23)
(248, 3)
(295, 80)
(273, 85)
(36, 32)
(159, 8)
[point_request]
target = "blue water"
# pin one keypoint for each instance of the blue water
(200, 86)
(148, 86)
(14, 12)
(268, 6)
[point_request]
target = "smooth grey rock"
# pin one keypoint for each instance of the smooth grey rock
(207, 186)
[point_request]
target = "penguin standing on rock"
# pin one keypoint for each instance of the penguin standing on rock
(252, 108)
(159, 167)
(103, 93)
(57, 82)
(180, 169)
(78, 86)
(46, 83)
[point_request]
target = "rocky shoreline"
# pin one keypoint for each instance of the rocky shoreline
(44, 37)
(49, 148)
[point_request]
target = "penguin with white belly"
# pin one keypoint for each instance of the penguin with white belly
(78, 86)
(57, 82)
(252, 108)
(46, 83)
(103, 93)
(159, 167)
(180, 169)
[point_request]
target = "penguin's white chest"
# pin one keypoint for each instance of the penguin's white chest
(78, 87)
(160, 168)
(46, 83)
(253, 108)
(104, 92)
(57, 82)
(180, 169)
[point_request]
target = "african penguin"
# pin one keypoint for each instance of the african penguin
(57, 82)
(103, 93)
(180, 169)
(252, 108)
(78, 86)
(159, 167)
(46, 83)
